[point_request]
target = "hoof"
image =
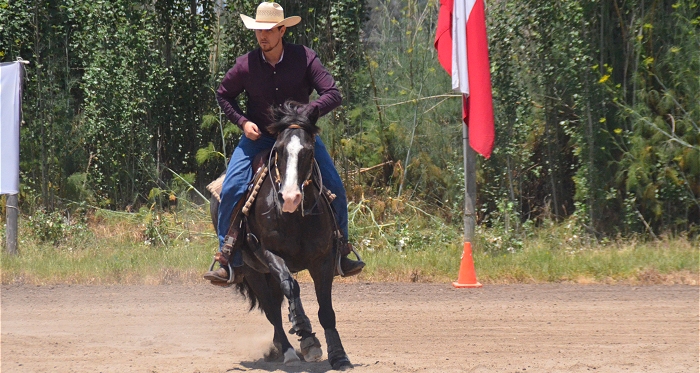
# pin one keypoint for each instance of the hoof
(342, 364)
(290, 358)
(314, 354)
(311, 348)
(274, 353)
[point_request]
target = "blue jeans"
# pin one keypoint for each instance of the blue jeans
(240, 172)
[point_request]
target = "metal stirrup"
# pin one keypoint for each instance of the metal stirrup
(231, 277)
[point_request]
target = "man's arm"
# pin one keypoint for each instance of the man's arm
(228, 92)
(324, 84)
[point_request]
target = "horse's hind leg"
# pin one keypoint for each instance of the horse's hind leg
(270, 298)
(323, 282)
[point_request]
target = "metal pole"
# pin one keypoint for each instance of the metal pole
(11, 233)
(469, 186)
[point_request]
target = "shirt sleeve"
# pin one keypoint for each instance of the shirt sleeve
(227, 94)
(324, 84)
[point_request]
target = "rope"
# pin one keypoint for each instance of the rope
(255, 191)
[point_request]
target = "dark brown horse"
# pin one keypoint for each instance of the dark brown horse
(291, 228)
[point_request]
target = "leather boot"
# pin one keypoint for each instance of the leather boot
(220, 276)
(349, 267)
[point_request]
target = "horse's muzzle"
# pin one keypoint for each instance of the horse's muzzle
(292, 199)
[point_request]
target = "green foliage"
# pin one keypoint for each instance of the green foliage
(51, 147)
(596, 108)
(155, 227)
(76, 188)
(405, 116)
(115, 91)
(656, 126)
(144, 91)
(56, 227)
(208, 154)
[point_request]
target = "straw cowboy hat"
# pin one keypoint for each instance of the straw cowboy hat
(269, 15)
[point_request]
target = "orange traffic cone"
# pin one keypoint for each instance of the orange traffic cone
(467, 275)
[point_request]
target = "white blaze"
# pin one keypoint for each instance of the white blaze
(290, 190)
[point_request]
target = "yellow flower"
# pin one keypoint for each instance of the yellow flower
(602, 120)
(604, 79)
(618, 131)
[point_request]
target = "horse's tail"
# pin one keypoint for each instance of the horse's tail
(247, 292)
(269, 293)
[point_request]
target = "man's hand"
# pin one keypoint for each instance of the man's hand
(251, 130)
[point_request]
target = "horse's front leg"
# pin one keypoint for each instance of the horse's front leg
(301, 326)
(323, 282)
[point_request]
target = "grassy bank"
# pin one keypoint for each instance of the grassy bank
(145, 247)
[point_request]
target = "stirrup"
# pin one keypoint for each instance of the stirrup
(339, 257)
(231, 276)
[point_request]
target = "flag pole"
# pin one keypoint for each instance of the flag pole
(12, 211)
(469, 186)
(467, 274)
(462, 46)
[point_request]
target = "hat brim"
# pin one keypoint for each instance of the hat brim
(252, 24)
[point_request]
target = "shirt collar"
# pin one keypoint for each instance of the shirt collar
(265, 59)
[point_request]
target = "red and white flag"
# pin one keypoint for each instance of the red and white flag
(463, 52)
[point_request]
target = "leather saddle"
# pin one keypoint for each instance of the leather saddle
(259, 162)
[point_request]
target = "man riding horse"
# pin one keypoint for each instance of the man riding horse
(270, 75)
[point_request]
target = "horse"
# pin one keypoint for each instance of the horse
(292, 228)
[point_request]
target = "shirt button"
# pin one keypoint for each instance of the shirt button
(277, 89)
(274, 72)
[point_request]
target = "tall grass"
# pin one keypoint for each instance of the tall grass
(112, 247)
(398, 240)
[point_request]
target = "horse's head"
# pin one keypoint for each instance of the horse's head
(295, 128)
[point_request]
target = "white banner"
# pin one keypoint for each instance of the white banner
(461, 9)
(10, 101)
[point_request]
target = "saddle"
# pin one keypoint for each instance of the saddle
(259, 162)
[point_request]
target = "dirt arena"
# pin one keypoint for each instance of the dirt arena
(384, 327)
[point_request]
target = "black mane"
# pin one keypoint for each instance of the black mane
(292, 112)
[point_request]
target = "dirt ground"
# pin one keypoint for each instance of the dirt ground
(384, 327)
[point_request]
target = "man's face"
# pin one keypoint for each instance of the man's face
(269, 39)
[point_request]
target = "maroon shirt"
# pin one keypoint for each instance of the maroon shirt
(293, 78)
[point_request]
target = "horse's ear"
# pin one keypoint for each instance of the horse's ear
(274, 113)
(312, 112)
